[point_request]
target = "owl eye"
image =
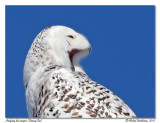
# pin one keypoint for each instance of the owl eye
(70, 36)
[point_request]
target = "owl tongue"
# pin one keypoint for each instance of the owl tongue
(72, 53)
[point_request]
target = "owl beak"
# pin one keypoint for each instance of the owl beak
(89, 49)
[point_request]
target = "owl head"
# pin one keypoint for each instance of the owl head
(66, 46)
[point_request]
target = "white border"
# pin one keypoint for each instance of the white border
(75, 2)
(79, 2)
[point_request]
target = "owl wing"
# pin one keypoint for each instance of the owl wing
(61, 94)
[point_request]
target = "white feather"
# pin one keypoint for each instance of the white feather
(55, 90)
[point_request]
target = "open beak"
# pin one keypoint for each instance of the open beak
(75, 51)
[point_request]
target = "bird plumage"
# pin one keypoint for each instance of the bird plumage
(56, 85)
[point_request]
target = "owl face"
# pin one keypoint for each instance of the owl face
(71, 42)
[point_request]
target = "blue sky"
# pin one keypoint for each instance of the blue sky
(122, 57)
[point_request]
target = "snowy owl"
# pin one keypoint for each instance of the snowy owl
(56, 85)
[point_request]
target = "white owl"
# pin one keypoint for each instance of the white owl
(57, 86)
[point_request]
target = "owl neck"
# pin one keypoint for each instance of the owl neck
(60, 58)
(39, 57)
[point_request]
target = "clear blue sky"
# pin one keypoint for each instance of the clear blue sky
(123, 50)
